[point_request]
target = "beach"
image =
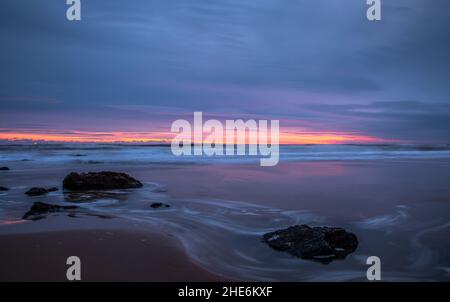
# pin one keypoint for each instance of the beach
(106, 255)
(397, 205)
(111, 249)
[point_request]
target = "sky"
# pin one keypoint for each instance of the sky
(128, 69)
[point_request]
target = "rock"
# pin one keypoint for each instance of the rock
(99, 181)
(36, 191)
(157, 205)
(39, 191)
(39, 210)
(4, 169)
(3, 189)
(319, 243)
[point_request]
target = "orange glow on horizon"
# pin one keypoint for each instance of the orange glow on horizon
(286, 138)
(86, 137)
(326, 138)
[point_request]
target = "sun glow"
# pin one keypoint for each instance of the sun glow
(166, 137)
(326, 138)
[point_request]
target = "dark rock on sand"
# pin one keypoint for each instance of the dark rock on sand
(4, 169)
(39, 191)
(157, 205)
(3, 189)
(319, 243)
(99, 181)
(39, 210)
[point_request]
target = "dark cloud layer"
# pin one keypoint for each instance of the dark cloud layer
(318, 62)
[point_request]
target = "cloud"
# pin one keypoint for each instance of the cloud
(312, 64)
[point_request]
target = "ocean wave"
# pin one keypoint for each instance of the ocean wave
(98, 154)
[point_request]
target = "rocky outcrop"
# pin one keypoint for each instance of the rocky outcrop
(39, 210)
(99, 181)
(3, 189)
(4, 169)
(157, 205)
(319, 243)
(39, 191)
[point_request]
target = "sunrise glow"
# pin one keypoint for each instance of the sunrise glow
(165, 137)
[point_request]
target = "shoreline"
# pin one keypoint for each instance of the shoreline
(218, 213)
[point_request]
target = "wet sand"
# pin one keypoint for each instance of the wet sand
(106, 255)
